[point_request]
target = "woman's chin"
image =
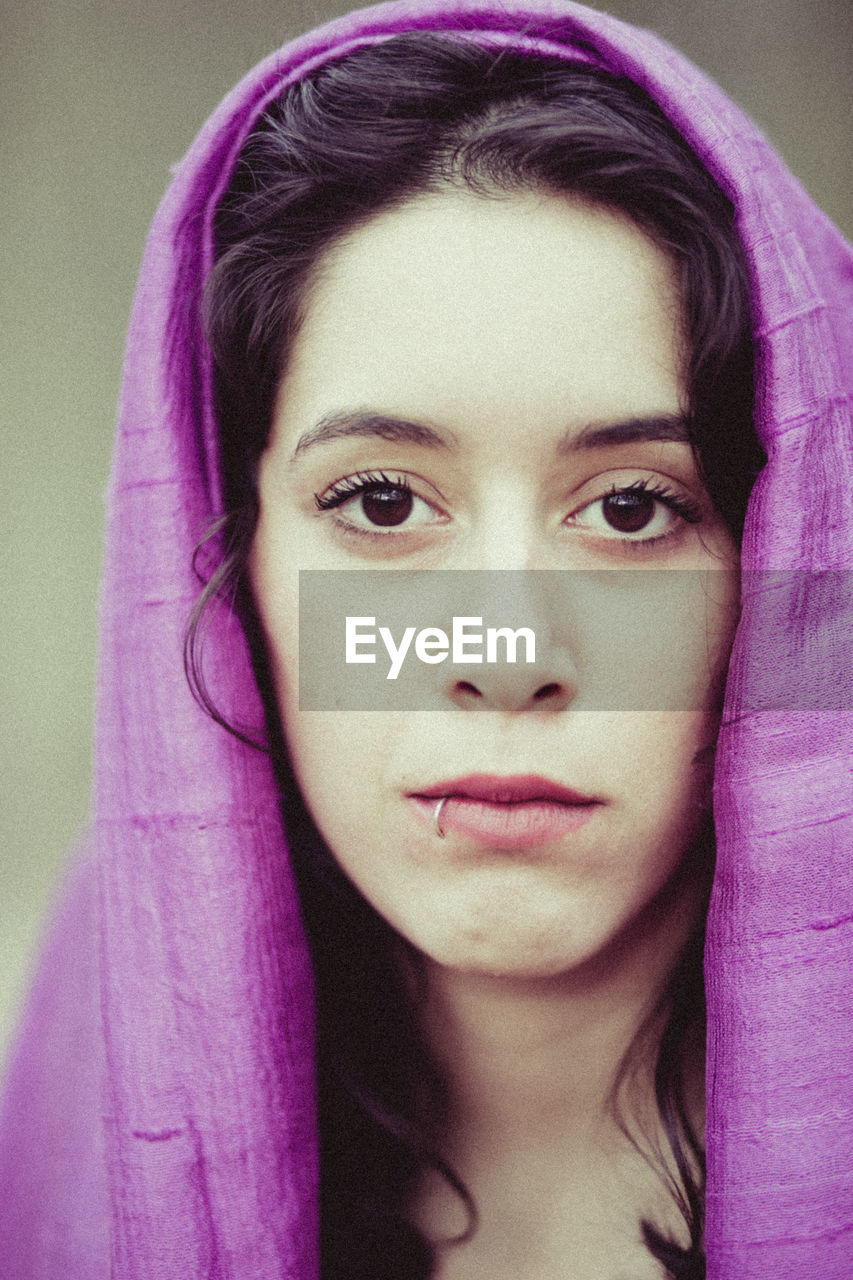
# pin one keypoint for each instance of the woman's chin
(544, 934)
(517, 947)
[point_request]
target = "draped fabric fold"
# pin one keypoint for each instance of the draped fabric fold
(158, 1119)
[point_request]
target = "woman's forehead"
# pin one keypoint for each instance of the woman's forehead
(454, 306)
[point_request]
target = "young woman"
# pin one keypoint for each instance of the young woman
(465, 298)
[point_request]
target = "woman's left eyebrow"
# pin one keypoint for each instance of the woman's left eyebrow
(653, 428)
(336, 426)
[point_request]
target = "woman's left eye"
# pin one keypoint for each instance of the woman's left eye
(371, 501)
(640, 512)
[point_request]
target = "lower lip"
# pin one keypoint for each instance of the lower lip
(506, 826)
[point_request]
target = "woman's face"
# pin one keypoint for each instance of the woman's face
(505, 378)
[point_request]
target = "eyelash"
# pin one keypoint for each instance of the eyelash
(362, 482)
(371, 481)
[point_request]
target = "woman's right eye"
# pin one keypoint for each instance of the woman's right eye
(371, 501)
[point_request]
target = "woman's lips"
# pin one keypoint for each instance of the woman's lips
(505, 813)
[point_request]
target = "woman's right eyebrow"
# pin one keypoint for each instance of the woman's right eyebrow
(336, 426)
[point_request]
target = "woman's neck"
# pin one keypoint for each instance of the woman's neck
(532, 1068)
(540, 1056)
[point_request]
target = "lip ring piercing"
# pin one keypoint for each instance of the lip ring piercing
(436, 817)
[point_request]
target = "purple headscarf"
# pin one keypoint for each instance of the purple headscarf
(159, 1115)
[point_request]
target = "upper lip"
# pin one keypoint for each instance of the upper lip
(505, 790)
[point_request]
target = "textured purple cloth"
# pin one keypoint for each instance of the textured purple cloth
(158, 1118)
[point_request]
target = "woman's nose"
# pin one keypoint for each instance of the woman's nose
(507, 537)
(533, 666)
(513, 690)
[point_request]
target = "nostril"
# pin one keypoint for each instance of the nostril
(464, 686)
(547, 691)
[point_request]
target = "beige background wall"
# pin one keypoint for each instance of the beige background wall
(99, 97)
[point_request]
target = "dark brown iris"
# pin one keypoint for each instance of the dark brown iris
(387, 506)
(629, 512)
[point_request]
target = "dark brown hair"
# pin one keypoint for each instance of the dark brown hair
(360, 135)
